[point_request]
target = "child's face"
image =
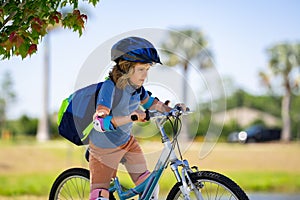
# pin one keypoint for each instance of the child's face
(140, 73)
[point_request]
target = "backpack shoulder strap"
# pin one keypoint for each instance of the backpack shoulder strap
(99, 85)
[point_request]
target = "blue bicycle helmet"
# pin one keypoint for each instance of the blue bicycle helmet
(134, 49)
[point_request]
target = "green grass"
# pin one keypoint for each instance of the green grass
(31, 168)
(279, 182)
(36, 184)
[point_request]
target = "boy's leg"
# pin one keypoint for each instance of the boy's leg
(134, 159)
(103, 164)
(136, 166)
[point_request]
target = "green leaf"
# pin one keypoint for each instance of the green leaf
(23, 50)
(31, 18)
(94, 2)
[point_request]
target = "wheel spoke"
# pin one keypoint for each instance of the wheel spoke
(217, 192)
(74, 188)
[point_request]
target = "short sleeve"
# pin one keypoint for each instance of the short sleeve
(144, 94)
(105, 96)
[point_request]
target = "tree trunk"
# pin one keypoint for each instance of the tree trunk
(185, 84)
(286, 119)
(184, 130)
(43, 128)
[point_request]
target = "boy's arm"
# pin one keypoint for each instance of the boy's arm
(160, 106)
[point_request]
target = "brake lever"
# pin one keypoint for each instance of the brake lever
(147, 118)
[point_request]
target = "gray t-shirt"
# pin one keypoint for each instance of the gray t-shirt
(121, 103)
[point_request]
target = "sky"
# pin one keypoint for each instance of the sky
(238, 33)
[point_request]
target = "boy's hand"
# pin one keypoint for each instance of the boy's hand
(141, 115)
(98, 114)
(181, 106)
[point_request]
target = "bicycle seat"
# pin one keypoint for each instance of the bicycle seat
(87, 154)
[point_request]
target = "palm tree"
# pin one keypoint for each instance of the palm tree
(183, 48)
(284, 61)
(43, 126)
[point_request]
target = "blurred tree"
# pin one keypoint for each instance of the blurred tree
(183, 48)
(24, 23)
(27, 125)
(265, 103)
(295, 116)
(7, 96)
(284, 63)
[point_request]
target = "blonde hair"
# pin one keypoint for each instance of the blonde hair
(121, 73)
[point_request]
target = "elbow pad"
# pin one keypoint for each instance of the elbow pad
(149, 103)
(103, 124)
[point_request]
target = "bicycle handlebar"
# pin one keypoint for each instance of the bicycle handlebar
(150, 114)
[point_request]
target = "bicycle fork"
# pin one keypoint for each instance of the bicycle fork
(185, 179)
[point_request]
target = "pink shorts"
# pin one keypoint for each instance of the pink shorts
(103, 163)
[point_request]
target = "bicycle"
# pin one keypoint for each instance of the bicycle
(191, 183)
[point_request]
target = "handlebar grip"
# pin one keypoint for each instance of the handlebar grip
(147, 118)
(178, 108)
(134, 117)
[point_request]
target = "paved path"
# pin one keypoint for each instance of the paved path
(274, 197)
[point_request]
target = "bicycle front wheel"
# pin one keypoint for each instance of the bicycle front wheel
(211, 185)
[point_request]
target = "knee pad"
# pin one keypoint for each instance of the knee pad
(142, 177)
(99, 194)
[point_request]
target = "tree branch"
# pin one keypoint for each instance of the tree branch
(11, 15)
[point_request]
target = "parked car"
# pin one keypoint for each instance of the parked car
(256, 133)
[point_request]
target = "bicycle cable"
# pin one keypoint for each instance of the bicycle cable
(179, 126)
(173, 143)
(176, 128)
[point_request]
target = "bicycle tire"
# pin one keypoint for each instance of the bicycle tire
(73, 183)
(212, 186)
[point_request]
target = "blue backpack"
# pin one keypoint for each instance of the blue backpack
(75, 114)
(74, 117)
